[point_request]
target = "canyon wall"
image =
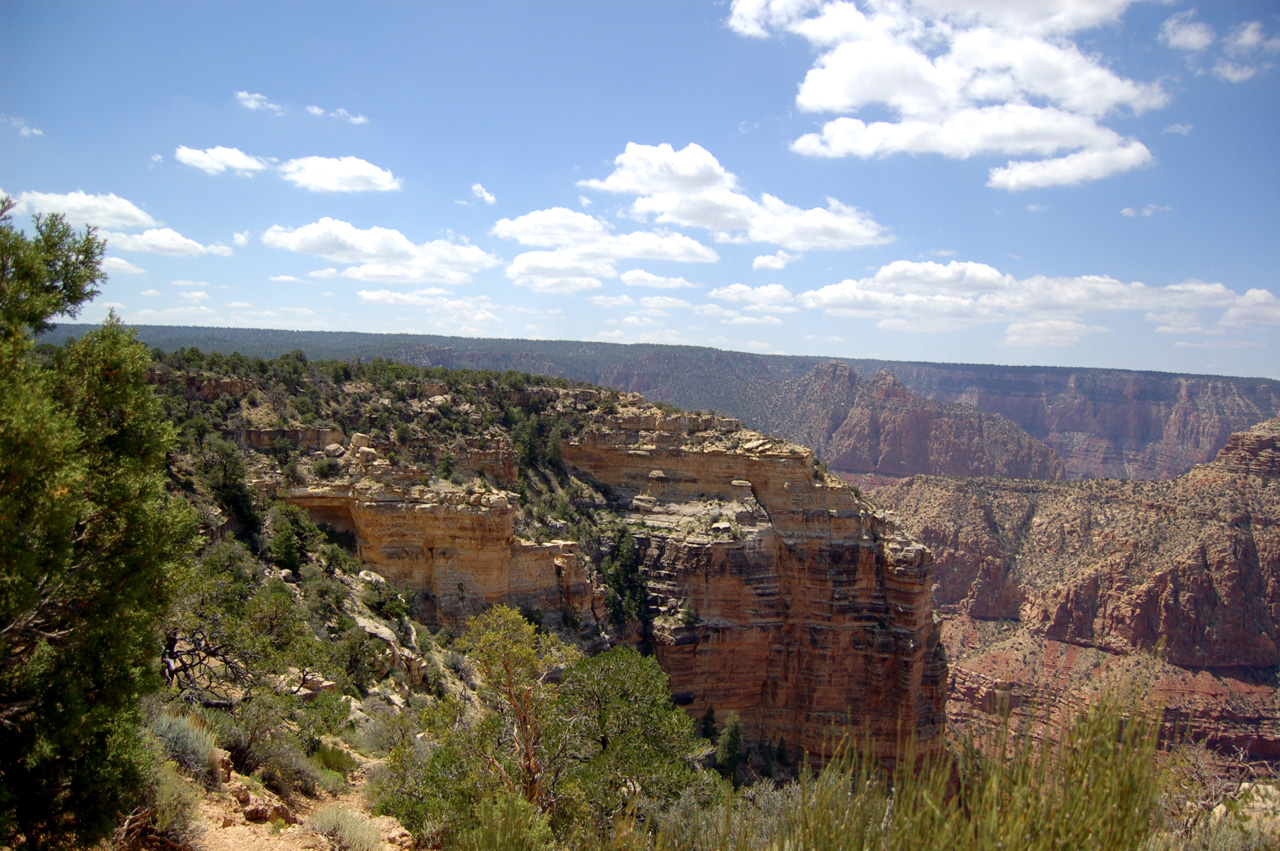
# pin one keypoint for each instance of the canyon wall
(1046, 586)
(773, 591)
(877, 426)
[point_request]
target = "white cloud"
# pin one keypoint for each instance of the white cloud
(117, 266)
(338, 174)
(713, 310)
(194, 295)
(929, 296)
(257, 101)
(760, 346)
(1082, 166)
(298, 311)
(963, 80)
(607, 301)
(240, 305)
(219, 159)
(1233, 73)
(149, 292)
(1183, 33)
(690, 188)
(1048, 333)
(240, 238)
(752, 320)
(1037, 208)
(771, 297)
(1249, 37)
(774, 262)
(483, 194)
(641, 278)
(584, 249)
(156, 159)
(1148, 211)
(176, 315)
(350, 118)
(381, 255)
(20, 125)
(185, 283)
(663, 304)
(315, 110)
(163, 241)
(1180, 129)
(285, 279)
(81, 208)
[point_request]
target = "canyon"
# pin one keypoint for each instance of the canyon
(773, 590)
(1047, 588)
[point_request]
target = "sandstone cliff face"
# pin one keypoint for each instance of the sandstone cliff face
(773, 591)
(1101, 571)
(458, 548)
(878, 426)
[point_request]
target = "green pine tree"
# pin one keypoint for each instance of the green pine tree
(89, 541)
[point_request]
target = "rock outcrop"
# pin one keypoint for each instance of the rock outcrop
(1045, 585)
(457, 548)
(774, 591)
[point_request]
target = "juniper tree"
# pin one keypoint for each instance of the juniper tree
(88, 542)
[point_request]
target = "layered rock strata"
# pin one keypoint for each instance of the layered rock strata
(774, 592)
(878, 426)
(1047, 586)
(457, 549)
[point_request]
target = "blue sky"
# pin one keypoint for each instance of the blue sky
(1063, 182)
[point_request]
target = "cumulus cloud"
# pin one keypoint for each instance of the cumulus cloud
(219, 159)
(285, 279)
(929, 296)
(252, 100)
(583, 249)
(774, 262)
(81, 208)
(163, 241)
(381, 255)
(962, 80)
(338, 174)
(641, 278)
(483, 194)
(240, 238)
(1180, 129)
(690, 188)
(1181, 32)
(118, 266)
(774, 298)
